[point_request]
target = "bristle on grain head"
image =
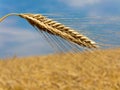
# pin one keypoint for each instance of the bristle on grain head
(55, 28)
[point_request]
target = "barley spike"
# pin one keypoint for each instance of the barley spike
(55, 28)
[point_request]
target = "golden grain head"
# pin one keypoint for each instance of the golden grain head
(52, 27)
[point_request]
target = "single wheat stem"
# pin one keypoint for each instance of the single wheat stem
(11, 14)
(55, 28)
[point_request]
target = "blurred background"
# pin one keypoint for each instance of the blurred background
(97, 19)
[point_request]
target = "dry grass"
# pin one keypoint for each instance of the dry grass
(44, 24)
(99, 70)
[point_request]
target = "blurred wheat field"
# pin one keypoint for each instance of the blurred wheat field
(97, 70)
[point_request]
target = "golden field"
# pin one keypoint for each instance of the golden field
(97, 70)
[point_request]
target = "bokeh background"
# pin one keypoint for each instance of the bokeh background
(98, 19)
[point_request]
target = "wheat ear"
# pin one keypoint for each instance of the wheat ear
(55, 28)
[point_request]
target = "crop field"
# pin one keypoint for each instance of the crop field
(97, 70)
